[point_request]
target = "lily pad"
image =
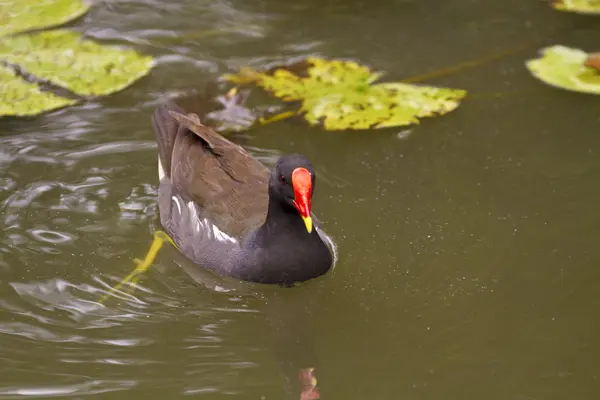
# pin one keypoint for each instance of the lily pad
(565, 68)
(340, 95)
(56, 59)
(82, 66)
(23, 15)
(578, 6)
(21, 98)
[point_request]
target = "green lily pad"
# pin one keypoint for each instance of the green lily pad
(578, 6)
(21, 98)
(62, 58)
(82, 66)
(340, 95)
(23, 15)
(566, 68)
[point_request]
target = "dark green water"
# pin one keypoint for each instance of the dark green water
(469, 251)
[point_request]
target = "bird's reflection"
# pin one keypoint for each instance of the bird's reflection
(289, 313)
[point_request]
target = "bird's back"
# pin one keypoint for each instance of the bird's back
(224, 184)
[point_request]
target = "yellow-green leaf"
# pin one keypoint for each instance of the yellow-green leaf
(23, 15)
(21, 98)
(565, 68)
(67, 60)
(341, 95)
(578, 6)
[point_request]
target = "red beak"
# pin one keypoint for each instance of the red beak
(302, 184)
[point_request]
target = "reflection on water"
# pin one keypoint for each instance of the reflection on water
(468, 249)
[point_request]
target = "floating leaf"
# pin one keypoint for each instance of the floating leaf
(233, 115)
(565, 68)
(340, 95)
(578, 6)
(23, 15)
(59, 57)
(82, 66)
(224, 113)
(21, 98)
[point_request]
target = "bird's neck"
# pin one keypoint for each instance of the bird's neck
(280, 215)
(283, 221)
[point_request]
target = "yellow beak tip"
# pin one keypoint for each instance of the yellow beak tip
(308, 223)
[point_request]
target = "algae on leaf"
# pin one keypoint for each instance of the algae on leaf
(23, 15)
(21, 98)
(566, 68)
(340, 95)
(578, 6)
(67, 60)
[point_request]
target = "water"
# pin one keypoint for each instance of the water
(469, 245)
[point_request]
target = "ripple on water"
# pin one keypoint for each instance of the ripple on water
(64, 324)
(77, 389)
(58, 191)
(53, 237)
(68, 329)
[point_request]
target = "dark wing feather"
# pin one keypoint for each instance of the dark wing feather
(228, 185)
(165, 131)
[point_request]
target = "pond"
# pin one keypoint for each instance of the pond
(469, 245)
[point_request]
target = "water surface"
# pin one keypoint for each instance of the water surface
(469, 249)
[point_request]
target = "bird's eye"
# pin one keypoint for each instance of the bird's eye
(282, 179)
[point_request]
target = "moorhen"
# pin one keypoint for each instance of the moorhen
(227, 212)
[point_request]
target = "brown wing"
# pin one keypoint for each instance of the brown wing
(228, 185)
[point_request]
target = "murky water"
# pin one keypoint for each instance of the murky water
(469, 250)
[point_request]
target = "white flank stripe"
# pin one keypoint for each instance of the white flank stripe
(194, 216)
(219, 234)
(176, 200)
(212, 230)
(161, 172)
